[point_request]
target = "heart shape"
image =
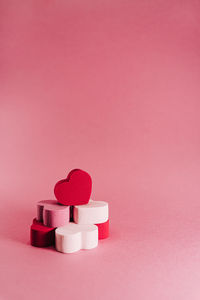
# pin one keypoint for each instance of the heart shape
(52, 214)
(75, 189)
(103, 230)
(41, 235)
(95, 212)
(73, 237)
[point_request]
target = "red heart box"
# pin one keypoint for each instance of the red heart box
(75, 189)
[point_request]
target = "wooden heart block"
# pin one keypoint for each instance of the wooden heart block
(75, 189)
(74, 237)
(40, 235)
(52, 214)
(103, 230)
(95, 212)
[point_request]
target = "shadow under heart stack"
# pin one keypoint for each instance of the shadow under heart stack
(73, 221)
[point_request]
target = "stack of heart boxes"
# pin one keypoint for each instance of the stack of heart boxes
(73, 221)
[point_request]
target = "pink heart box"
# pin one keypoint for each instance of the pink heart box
(52, 214)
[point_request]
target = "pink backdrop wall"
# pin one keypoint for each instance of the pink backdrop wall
(111, 87)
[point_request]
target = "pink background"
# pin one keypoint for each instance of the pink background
(112, 87)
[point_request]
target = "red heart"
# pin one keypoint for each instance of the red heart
(75, 189)
(42, 236)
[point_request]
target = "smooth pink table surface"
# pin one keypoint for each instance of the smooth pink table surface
(111, 87)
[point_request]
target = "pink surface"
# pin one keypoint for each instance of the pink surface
(111, 87)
